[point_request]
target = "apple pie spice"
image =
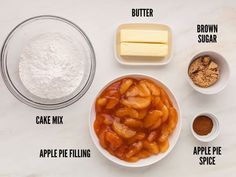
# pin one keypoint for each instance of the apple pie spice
(202, 125)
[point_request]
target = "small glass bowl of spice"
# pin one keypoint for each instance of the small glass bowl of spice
(205, 127)
(208, 72)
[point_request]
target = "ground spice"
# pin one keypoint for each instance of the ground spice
(202, 125)
(204, 72)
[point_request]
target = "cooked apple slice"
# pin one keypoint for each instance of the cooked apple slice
(101, 137)
(113, 139)
(133, 91)
(144, 91)
(151, 147)
(137, 137)
(132, 159)
(122, 130)
(156, 125)
(165, 132)
(155, 90)
(98, 123)
(173, 119)
(136, 102)
(165, 112)
(163, 146)
(112, 103)
(134, 149)
(152, 136)
(121, 151)
(125, 85)
(129, 112)
(108, 119)
(157, 103)
(143, 154)
(133, 123)
(152, 118)
(140, 89)
(102, 101)
(165, 98)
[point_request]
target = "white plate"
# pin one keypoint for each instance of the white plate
(150, 160)
(143, 60)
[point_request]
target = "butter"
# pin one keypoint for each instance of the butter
(145, 36)
(143, 44)
(143, 49)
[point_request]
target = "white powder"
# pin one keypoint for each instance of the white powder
(51, 66)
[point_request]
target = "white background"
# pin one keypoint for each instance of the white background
(21, 139)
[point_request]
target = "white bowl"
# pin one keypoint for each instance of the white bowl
(150, 160)
(214, 132)
(224, 73)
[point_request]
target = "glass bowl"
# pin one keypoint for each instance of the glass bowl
(20, 36)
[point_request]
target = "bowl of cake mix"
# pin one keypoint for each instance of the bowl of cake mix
(47, 62)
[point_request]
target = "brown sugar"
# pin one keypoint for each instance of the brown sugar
(204, 72)
(202, 125)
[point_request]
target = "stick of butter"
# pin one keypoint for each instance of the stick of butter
(139, 35)
(143, 49)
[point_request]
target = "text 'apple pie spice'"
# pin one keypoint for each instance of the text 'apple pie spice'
(202, 125)
(52, 65)
(204, 72)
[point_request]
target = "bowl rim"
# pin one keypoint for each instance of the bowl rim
(116, 160)
(206, 138)
(11, 87)
(200, 89)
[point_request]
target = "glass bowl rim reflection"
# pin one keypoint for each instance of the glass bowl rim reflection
(23, 98)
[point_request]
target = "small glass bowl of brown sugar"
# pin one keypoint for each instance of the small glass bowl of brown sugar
(208, 72)
(205, 127)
